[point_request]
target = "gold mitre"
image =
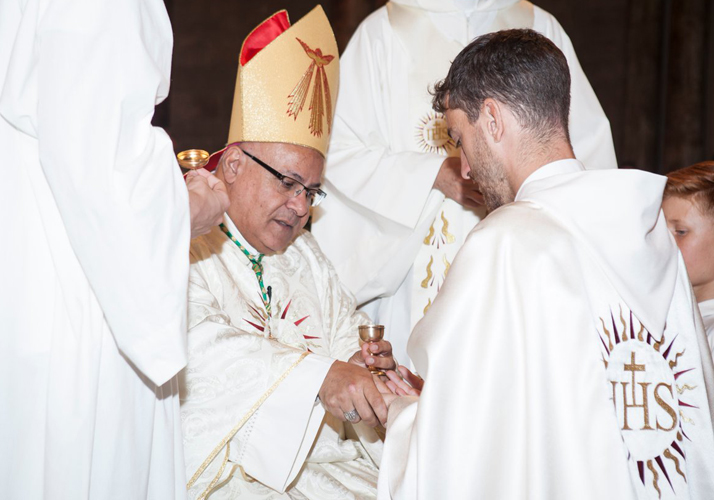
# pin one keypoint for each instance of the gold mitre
(287, 82)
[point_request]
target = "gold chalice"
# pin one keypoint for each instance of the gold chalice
(370, 334)
(193, 159)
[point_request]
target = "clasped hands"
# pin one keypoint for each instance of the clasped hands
(351, 386)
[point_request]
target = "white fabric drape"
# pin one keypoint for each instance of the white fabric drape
(523, 365)
(706, 308)
(94, 257)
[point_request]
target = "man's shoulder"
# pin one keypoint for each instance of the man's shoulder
(522, 234)
(520, 222)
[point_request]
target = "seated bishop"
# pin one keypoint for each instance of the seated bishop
(277, 400)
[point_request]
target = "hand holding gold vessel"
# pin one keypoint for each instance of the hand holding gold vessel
(376, 353)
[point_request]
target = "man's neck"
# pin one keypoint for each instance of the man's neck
(533, 155)
(704, 292)
(233, 228)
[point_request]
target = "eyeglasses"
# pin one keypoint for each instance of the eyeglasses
(290, 187)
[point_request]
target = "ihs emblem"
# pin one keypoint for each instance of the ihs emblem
(321, 101)
(649, 393)
(432, 134)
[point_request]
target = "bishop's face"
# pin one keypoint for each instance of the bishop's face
(478, 162)
(268, 217)
(693, 231)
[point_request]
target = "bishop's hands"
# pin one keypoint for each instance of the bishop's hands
(208, 200)
(450, 182)
(352, 393)
(349, 393)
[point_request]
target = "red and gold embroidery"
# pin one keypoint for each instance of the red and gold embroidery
(321, 100)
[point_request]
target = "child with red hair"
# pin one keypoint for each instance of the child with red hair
(689, 208)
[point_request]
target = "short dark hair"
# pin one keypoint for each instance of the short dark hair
(696, 183)
(520, 68)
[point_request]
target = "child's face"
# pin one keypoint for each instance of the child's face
(694, 233)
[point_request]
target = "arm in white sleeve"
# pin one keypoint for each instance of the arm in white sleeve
(363, 163)
(397, 473)
(87, 95)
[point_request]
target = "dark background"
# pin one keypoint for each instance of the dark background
(651, 63)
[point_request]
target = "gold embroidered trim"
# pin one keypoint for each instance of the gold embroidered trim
(427, 240)
(429, 274)
(222, 483)
(225, 441)
(447, 266)
(428, 305)
(450, 238)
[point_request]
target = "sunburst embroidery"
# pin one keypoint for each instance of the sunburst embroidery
(643, 373)
(260, 320)
(432, 134)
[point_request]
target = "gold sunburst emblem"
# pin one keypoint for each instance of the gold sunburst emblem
(432, 134)
(648, 390)
(321, 100)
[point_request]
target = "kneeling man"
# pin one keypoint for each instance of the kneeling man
(271, 329)
(582, 370)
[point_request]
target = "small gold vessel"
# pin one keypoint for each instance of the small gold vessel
(193, 159)
(372, 333)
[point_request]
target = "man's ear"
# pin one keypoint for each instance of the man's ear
(232, 161)
(493, 115)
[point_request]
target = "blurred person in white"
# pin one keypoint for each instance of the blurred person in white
(392, 170)
(94, 261)
(689, 208)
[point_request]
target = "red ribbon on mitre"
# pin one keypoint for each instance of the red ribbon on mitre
(263, 34)
(257, 40)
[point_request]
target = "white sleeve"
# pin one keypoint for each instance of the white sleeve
(363, 165)
(377, 188)
(397, 474)
(83, 79)
(279, 441)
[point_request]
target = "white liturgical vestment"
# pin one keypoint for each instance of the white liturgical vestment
(388, 144)
(237, 352)
(93, 265)
(706, 308)
(575, 366)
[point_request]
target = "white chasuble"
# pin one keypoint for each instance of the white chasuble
(93, 261)
(388, 144)
(290, 448)
(574, 367)
(706, 308)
